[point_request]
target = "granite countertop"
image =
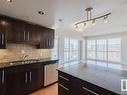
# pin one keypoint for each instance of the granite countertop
(106, 78)
(24, 62)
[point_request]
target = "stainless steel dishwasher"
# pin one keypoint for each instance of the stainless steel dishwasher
(50, 74)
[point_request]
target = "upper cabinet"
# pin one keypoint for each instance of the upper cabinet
(15, 31)
(47, 38)
(3, 29)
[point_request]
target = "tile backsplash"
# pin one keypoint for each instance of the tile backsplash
(15, 52)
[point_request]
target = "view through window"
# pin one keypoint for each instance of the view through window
(106, 50)
(71, 49)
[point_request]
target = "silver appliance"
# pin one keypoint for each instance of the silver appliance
(50, 74)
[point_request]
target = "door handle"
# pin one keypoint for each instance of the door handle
(24, 35)
(48, 42)
(3, 75)
(28, 36)
(30, 76)
(26, 77)
(84, 88)
(63, 87)
(2, 38)
(63, 78)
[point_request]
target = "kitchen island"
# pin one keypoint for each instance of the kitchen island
(86, 79)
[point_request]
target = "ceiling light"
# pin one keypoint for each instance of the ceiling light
(60, 20)
(41, 12)
(9, 1)
(91, 21)
(3, 23)
(106, 19)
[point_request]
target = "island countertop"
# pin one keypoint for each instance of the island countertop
(103, 77)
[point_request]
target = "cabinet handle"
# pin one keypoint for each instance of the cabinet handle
(63, 87)
(26, 77)
(84, 88)
(49, 42)
(63, 78)
(2, 39)
(3, 75)
(24, 35)
(28, 36)
(30, 76)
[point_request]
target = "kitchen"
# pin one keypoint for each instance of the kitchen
(63, 47)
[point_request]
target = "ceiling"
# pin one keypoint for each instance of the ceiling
(70, 11)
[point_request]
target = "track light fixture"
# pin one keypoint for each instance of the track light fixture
(89, 19)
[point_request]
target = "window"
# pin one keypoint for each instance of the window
(54, 53)
(71, 50)
(66, 49)
(91, 49)
(114, 50)
(102, 50)
(108, 50)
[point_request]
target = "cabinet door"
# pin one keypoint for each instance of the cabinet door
(2, 39)
(47, 38)
(17, 33)
(15, 82)
(32, 34)
(51, 38)
(35, 80)
(2, 82)
(35, 77)
(63, 90)
(3, 29)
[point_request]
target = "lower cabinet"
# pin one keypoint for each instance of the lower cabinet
(2, 82)
(34, 79)
(16, 82)
(69, 85)
(22, 80)
(63, 90)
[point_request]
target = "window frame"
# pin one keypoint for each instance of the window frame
(107, 51)
(69, 51)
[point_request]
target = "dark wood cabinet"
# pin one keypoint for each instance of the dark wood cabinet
(2, 39)
(34, 35)
(3, 30)
(63, 90)
(24, 33)
(64, 84)
(21, 32)
(16, 81)
(47, 38)
(2, 82)
(22, 80)
(35, 78)
(70, 85)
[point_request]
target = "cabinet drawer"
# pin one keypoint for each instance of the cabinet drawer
(91, 89)
(64, 79)
(62, 90)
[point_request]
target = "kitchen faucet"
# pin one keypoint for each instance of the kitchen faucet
(25, 56)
